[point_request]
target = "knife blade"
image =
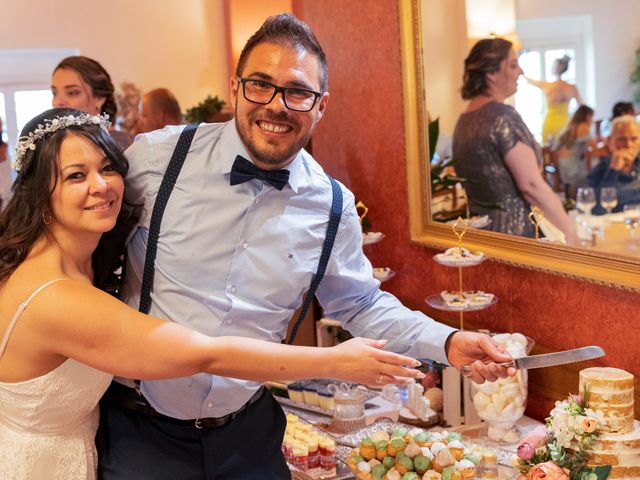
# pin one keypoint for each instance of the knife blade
(548, 359)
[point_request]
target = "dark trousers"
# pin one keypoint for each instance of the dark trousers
(134, 446)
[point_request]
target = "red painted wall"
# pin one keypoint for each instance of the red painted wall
(361, 142)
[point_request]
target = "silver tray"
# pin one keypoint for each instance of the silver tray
(353, 439)
(368, 395)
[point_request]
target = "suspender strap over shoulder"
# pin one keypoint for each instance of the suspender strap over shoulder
(327, 246)
(166, 187)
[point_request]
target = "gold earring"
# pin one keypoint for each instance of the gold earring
(47, 216)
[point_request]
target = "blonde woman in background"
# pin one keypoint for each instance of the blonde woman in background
(558, 94)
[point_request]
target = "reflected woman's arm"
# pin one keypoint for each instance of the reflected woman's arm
(521, 162)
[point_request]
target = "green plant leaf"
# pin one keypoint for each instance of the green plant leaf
(603, 471)
(204, 110)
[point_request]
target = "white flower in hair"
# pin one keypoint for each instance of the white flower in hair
(29, 142)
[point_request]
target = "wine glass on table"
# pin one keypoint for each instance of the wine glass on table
(585, 199)
(631, 214)
(608, 198)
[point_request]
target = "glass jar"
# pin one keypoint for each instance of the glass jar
(502, 403)
(348, 411)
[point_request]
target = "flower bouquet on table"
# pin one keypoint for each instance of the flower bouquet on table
(560, 450)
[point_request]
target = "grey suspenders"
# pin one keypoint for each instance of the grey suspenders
(169, 180)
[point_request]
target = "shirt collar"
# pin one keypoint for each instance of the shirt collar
(232, 146)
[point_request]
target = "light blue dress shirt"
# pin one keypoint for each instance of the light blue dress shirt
(236, 260)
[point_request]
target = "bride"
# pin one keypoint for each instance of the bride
(63, 336)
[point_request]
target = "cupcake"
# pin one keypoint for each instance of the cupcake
(396, 445)
(410, 476)
(354, 460)
(325, 398)
(381, 449)
(404, 464)
(412, 450)
(402, 432)
(388, 462)
(472, 458)
(363, 471)
(379, 435)
(431, 475)
(421, 464)
(466, 468)
(442, 460)
(367, 449)
(453, 436)
(378, 472)
(421, 438)
(310, 394)
(437, 446)
(295, 392)
(456, 448)
(393, 474)
(450, 473)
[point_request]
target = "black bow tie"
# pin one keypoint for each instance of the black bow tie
(243, 171)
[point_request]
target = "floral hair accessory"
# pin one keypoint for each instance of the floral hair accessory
(29, 142)
(561, 450)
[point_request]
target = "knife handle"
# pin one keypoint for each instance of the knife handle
(465, 370)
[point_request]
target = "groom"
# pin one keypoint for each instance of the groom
(236, 252)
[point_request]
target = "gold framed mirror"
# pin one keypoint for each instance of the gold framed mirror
(604, 268)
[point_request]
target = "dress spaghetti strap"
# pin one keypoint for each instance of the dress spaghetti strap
(21, 308)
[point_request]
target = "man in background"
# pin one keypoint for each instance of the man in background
(622, 168)
(158, 108)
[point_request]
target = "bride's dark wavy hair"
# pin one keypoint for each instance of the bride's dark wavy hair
(22, 222)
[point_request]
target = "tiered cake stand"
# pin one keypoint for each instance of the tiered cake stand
(369, 238)
(459, 257)
(457, 388)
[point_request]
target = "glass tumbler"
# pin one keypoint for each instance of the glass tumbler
(348, 411)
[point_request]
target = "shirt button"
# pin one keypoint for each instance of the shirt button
(257, 200)
(245, 245)
(229, 321)
(210, 405)
(233, 289)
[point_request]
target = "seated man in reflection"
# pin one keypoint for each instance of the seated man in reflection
(621, 168)
(158, 108)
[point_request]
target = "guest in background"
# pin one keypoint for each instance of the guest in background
(158, 108)
(496, 151)
(558, 95)
(623, 108)
(5, 170)
(82, 83)
(571, 147)
(621, 169)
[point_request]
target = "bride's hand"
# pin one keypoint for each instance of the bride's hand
(361, 360)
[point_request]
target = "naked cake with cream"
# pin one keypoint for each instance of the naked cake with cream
(611, 390)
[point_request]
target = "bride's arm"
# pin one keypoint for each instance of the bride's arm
(76, 320)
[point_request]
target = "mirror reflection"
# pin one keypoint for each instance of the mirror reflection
(540, 114)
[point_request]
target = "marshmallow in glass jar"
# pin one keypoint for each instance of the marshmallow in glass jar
(501, 403)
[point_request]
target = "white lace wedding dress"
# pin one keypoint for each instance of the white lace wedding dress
(48, 424)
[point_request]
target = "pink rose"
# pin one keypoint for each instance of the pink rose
(548, 471)
(589, 424)
(531, 441)
(526, 451)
